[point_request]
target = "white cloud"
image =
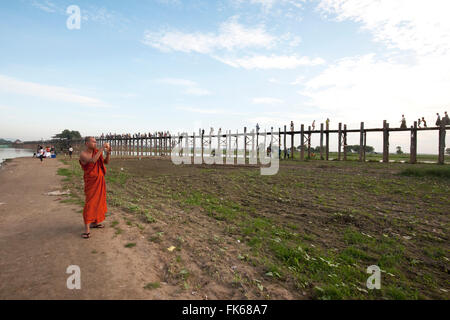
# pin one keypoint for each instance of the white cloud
(177, 82)
(298, 80)
(56, 93)
(208, 111)
(365, 87)
(46, 6)
(170, 2)
(266, 100)
(192, 87)
(267, 5)
(202, 111)
(374, 87)
(197, 91)
(421, 26)
(271, 62)
(231, 35)
(233, 38)
(277, 118)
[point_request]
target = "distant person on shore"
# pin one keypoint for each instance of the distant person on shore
(292, 126)
(70, 151)
(438, 120)
(93, 164)
(313, 125)
(403, 122)
(419, 122)
(327, 123)
(41, 153)
(424, 122)
(52, 151)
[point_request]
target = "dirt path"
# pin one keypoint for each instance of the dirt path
(40, 238)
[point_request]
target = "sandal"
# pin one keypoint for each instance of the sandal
(85, 235)
(98, 226)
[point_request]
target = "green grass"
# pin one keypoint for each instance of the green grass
(130, 245)
(214, 206)
(315, 226)
(152, 285)
(116, 176)
(64, 172)
(149, 218)
(442, 172)
(371, 157)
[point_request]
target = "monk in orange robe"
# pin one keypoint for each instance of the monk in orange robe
(93, 164)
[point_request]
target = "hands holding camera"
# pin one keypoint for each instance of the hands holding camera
(107, 147)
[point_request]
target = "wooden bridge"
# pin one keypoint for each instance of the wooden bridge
(162, 144)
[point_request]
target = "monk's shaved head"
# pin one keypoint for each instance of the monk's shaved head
(90, 142)
(87, 139)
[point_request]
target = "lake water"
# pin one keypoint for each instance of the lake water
(10, 153)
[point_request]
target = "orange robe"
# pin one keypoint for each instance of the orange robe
(95, 190)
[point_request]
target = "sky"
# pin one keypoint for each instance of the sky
(180, 65)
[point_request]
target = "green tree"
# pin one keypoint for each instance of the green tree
(66, 138)
(370, 149)
(447, 151)
(348, 148)
(355, 148)
(399, 150)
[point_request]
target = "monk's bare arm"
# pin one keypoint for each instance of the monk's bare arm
(85, 158)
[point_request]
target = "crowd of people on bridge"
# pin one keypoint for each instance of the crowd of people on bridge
(421, 121)
(138, 135)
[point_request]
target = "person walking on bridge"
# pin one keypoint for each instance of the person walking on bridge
(403, 122)
(424, 122)
(438, 120)
(446, 119)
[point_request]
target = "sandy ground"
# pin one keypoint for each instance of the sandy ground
(40, 238)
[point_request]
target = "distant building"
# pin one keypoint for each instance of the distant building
(18, 141)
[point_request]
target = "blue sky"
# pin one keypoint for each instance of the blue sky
(147, 65)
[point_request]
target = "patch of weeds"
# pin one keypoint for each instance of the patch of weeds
(184, 274)
(133, 208)
(434, 252)
(354, 237)
(352, 255)
(273, 271)
(130, 245)
(157, 237)
(152, 285)
(215, 207)
(64, 172)
(118, 177)
(140, 226)
(440, 172)
(149, 218)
